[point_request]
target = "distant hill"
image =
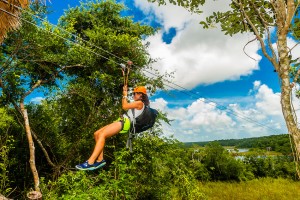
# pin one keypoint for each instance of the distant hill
(279, 143)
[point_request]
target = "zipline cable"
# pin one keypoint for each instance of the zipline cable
(62, 29)
(223, 107)
(218, 106)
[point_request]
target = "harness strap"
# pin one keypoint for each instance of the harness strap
(130, 134)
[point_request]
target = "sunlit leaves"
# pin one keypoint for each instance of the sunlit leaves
(192, 5)
(246, 16)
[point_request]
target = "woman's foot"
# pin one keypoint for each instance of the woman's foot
(87, 166)
(99, 164)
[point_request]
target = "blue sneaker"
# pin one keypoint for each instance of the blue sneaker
(99, 164)
(85, 166)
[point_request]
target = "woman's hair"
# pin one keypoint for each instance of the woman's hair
(145, 99)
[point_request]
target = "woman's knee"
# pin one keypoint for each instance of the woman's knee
(97, 133)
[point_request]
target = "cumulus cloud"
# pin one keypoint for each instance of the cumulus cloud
(198, 56)
(205, 121)
(206, 56)
(268, 101)
(37, 100)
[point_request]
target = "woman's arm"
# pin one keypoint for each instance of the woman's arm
(136, 104)
(126, 106)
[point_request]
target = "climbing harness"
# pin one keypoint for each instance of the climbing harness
(131, 133)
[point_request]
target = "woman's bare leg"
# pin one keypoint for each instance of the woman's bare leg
(96, 137)
(100, 136)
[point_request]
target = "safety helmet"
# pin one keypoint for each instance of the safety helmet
(140, 89)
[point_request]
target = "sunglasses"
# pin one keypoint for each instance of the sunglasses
(136, 93)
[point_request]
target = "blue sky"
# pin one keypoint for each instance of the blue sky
(229, 95)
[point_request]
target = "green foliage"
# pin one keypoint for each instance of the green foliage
(28, 56)
(221, 165)
(161, 168)
(115, 40)
(87, 73)
(5, 121)
(263, 166)
(155, 170)
(278, 143)
(200, 171)
(89, 98)
(75, 185)
(191, 5)
(231, 22)
(6, 145)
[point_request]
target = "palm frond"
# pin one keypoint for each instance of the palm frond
(10, 16)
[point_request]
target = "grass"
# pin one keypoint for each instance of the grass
(258, 189)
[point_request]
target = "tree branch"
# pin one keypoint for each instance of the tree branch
(264, 50)
(43, 149)
(265, 24)
(37, 84)
(71, 66)
(291, 9)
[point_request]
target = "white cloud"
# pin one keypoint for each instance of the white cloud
(202, 120)
(267, 101)
(256, 84)
(198, 56)
(169, 16)
(37, 100)
(159, 104)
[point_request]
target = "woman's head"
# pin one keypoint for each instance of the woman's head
(140, 93)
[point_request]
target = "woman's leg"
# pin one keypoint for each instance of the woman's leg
(96, 137)
(100, 136)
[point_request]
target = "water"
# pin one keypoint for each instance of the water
(243, 150)
(239, 150)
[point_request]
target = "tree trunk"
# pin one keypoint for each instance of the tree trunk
(31, 148)
(291, 122)
(286, 101)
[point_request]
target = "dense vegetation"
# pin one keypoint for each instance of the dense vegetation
(158, 168)
(279, 143)
(89, 97)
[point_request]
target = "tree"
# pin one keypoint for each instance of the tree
(28, 61)
(221, 165)
(259, 17)
(38, 55)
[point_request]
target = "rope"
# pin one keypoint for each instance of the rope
(126, 72)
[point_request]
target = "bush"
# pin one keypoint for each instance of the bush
(221, 165)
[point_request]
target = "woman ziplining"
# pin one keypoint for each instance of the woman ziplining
(122, 125)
